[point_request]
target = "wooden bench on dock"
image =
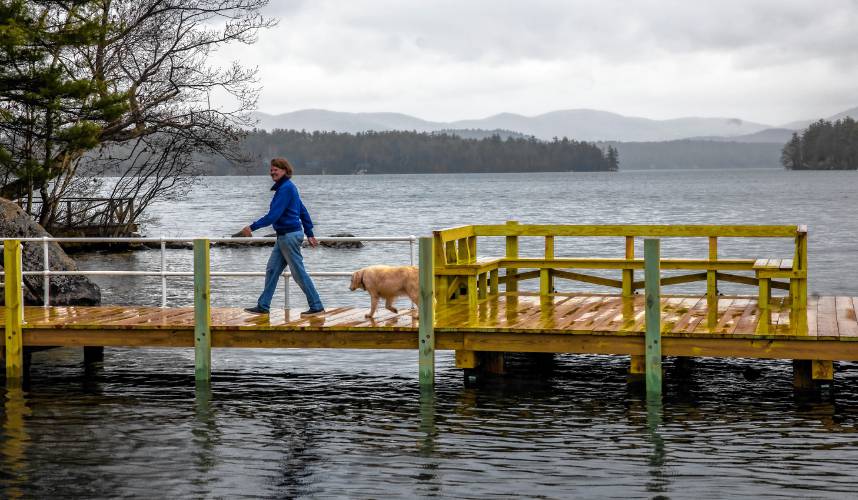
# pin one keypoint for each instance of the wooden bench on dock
(463, 276)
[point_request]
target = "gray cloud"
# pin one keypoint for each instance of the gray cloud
(666, 58)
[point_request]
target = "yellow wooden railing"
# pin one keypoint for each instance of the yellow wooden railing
(460, 276)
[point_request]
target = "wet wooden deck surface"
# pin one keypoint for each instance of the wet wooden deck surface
(509, 322)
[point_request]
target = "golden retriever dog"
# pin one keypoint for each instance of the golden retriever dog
(387, 282)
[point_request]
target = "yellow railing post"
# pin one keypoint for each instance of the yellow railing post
(798, 286)
(463, 251)
(439, 253)
(629, 274)
(712, 285)
(511, 253)
(14, 312)
(546, 281)
(712, 274)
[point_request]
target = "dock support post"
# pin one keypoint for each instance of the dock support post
(93, 354)
(652, 279)
(810, 374)
(491, 363)
(637, 370)
(202, 313)
(426, 329)
(14, 313)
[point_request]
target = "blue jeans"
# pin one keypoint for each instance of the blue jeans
(287, 252)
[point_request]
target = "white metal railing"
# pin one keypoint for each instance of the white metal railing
(46, 273)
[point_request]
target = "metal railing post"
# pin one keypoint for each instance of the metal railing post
(46, 271)
(411, 256)
(652, 280)
(286, 289)
(163, 272)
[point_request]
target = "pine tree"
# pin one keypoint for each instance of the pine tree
(791, 153)
(613, 159)
(47, 114)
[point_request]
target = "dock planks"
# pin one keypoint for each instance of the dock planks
(510, 322)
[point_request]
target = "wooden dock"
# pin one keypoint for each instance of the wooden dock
(519, 322)
(479, 312)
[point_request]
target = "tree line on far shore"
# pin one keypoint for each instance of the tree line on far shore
(824, 145)
(419, 152)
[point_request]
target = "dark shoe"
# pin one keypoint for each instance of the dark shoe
(256, 310)
(310, 312)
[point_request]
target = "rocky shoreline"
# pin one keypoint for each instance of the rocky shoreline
(73, 248)
(64, 290)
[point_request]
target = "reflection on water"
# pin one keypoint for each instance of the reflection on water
(658, 483)
(206, 437)
(354, 424)
(14, 442)
(277, 428)
(429, 482)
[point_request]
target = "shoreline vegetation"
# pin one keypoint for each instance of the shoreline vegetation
(476, 151)
(398, 152)
(824, 145)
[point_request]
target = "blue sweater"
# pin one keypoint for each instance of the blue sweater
(286, 213)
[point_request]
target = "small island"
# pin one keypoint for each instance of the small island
(824, 145)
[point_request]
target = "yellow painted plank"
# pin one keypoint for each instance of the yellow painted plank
(683, 231)
(586, 278)
(455, 233)
(616, 263)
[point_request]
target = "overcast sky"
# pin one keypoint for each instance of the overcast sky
(770, 61)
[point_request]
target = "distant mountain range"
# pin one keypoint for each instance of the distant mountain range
(802, 124)
(579, 124)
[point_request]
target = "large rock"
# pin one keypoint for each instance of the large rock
(65, 290)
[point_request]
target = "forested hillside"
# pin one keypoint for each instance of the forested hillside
(413, 152)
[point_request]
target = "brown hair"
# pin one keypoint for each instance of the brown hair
(283, 164)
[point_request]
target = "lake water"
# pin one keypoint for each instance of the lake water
(321, 423)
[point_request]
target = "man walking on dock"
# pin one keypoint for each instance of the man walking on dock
(291, 221)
